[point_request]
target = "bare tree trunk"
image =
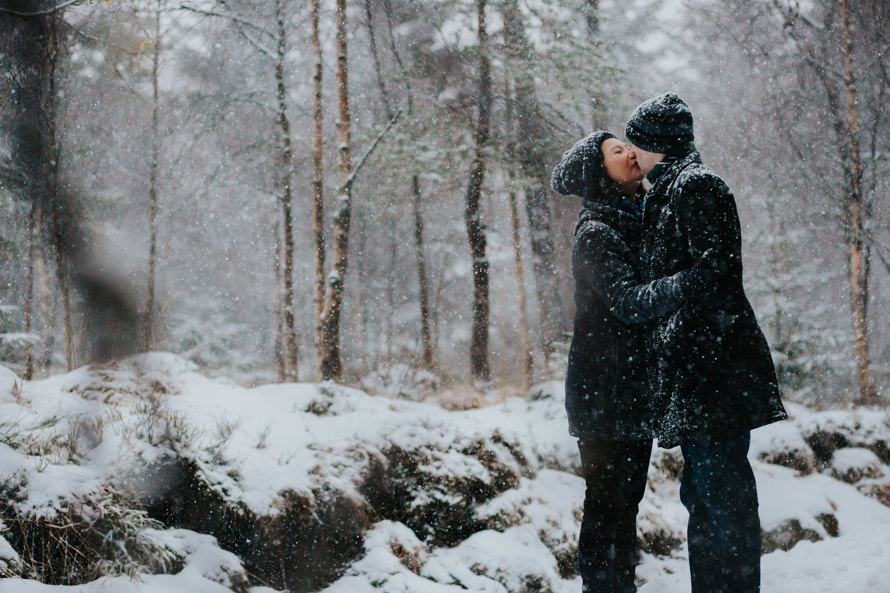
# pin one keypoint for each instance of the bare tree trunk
(858, 266)
(359, 304)
(286, 200)
(153, 186)
(53, 147)
(426, 340)
(530, 141)
(280, 358)
(318, 179)
(475, 232)
(329, 361)
(527, 359)
(33, 225)
(47, 314)
(390, 289)
(372, 40)
(65, 289)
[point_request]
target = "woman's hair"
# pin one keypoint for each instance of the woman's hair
(582, 170)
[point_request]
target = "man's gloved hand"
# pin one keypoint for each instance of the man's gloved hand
(699, 283)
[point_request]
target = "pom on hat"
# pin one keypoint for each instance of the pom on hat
(660, 124)
(582, 167)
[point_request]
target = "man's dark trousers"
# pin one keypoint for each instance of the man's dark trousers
(718, 490)
(615, 473)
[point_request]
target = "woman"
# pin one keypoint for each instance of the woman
(606, 392)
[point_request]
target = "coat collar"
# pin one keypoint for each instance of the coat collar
(608, 214)
(667, 178)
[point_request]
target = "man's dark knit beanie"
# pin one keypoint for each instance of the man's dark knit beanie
(582, 171)
(661, 124)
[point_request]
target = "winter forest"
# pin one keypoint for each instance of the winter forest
(344, 207)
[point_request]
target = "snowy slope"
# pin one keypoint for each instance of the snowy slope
(480, 500)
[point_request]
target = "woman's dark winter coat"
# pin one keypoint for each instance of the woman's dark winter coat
(713, 373)
(606, 391)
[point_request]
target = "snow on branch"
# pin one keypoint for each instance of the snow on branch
(241, 24)
(352, 176)
(231, 17)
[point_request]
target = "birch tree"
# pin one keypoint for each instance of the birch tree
(330, 366)
(318, 178)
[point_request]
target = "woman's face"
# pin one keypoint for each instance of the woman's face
(621, 162)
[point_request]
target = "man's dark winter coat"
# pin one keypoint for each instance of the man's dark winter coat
(606, 392)
(713, 372)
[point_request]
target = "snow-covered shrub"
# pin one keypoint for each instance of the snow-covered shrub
(310, 541)
(10, 563)
(516, 560)
(401, 380)
(656, 535)
(177, 493)
(207, 331)
(13, 347)
(13, 341)
(853, 464)
(549, 504)
(554, 390)
(435, 491)
(787, 535)
(782, 444)
(101, 534)
(201, 553)
(666, 463)
(826, 432)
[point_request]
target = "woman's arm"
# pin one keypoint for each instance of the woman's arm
(611, 269)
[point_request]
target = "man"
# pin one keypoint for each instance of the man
(712, 376)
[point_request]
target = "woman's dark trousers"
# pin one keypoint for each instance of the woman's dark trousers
(615, 472)
(718, 490)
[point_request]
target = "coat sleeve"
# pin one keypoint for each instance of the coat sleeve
(603, 260)
(709, 221)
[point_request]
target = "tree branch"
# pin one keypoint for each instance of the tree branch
(232, 17)
(881, 257)
(240, 23)
(46, 12)
(355, 171)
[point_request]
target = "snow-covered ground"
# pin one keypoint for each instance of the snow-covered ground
(318, 487)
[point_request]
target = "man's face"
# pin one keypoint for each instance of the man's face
(647, 160)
